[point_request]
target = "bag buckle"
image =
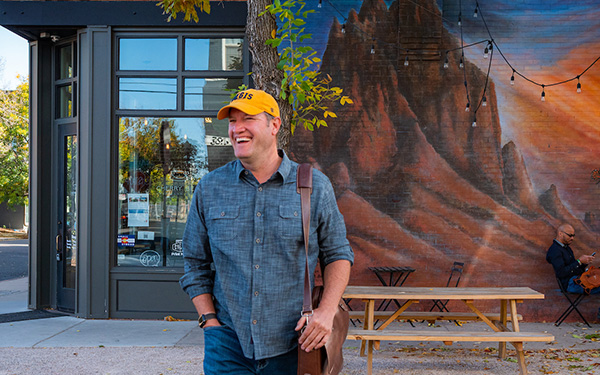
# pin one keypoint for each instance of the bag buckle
(306, 314)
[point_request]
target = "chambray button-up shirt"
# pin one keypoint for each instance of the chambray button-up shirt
(243, 243)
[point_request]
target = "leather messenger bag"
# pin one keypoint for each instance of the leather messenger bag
(327, 360)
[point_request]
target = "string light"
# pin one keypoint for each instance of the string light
(487, 52)
(468, 107)
(474, 124)
(320, 4)
(543, 94)
(343, 28)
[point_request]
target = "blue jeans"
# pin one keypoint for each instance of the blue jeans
(576, 288)
(223, 355)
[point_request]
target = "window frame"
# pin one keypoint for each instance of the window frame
(180, 75)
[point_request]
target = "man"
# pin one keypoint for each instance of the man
(566, 267)
(244, 252)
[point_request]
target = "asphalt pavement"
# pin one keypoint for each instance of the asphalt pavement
(14, 257)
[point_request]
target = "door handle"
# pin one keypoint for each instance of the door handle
(58, 247)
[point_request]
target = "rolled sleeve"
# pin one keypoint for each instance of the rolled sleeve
(331, 228)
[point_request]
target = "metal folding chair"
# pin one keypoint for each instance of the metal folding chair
(456, 273)
(572, 305)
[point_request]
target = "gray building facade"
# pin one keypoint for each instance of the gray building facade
(122, 126)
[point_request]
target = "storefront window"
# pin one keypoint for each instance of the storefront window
(148, 54)
(169, 90)
(209, 93)
(160, 162)
(147, 93)
(213, 54)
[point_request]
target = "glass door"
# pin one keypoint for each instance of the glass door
(66, 238)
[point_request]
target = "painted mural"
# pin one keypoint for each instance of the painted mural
(419, 185)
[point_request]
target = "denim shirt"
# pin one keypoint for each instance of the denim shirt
(243, 243)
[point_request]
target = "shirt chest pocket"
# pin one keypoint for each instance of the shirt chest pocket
(290, 222)
(221, 222)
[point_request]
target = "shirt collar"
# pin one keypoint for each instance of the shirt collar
(283, 170)
(558, 242)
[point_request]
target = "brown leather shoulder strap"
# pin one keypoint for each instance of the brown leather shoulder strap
(304, 188)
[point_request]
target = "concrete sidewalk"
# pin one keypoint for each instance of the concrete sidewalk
(69, 345)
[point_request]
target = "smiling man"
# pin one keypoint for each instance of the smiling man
(244, 252)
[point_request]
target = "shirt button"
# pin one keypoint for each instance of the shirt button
(246, 173)
(258, 240)
(222, 213)
(255, 322)
(295, 213)
(257, 266)
(256, 294)
(260, 188)
(258, 214)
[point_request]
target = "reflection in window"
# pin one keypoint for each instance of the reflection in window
(209, 93)
(65, 101)
(214, 54)
(65, 62)
(148, 54)
(160, 162)
(147, 93)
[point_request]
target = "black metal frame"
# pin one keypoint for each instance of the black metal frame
(572, 305)
(441, 305)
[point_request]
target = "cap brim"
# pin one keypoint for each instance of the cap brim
(242, 106)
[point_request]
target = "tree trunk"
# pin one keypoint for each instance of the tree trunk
(265, 74)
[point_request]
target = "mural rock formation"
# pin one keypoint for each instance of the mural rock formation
(418, 184)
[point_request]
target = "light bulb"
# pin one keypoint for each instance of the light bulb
(484, 102)
(578, 86)
(343, 28)
(474, 124)
(475, 12)
(543, 95)
(320, 4)
(461, 64)
(468, 107)
(486, 53)
(372, 49)
(459, 20)
(446, 64)
(406, 61)
(512, 78)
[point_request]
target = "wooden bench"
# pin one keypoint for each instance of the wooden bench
(431, 316)
(448, 337)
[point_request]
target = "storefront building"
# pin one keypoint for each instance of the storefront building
(123, 125)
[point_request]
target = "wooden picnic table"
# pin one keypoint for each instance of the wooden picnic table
(508, 297)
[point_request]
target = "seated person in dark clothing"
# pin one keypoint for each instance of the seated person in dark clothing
(566, 267)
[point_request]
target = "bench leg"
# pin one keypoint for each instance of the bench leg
(503, 321)
(521, 357)
(370, 358)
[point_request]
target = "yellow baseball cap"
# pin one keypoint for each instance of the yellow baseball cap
(252, 102)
